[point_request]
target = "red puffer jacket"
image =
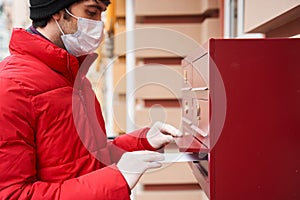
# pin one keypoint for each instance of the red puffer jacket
(52, 135)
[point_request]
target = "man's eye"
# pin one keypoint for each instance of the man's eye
(92, 14)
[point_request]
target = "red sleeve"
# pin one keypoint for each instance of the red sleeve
(97, 185)
(18, 178)
(134, 141)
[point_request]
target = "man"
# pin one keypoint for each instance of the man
(52, 133)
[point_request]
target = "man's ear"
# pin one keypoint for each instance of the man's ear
(58, 15)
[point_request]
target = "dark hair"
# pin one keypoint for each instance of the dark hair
(41, 22)
(44, 21)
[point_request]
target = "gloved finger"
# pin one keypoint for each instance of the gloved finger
(167, 139)
(169, 129)
(151, 165)
(153, 157)
(142, 152)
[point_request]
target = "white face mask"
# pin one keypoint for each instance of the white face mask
(86, 39)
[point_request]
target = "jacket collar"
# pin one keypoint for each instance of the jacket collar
(38, 47)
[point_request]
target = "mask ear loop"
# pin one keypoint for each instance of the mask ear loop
(59, 27)
(69, 13)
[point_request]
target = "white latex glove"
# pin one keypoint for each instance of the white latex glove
(161, 134)
(133, 164)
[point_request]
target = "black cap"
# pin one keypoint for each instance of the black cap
(40, 9)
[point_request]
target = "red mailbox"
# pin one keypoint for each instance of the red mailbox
(241, 106)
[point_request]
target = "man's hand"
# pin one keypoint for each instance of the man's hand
(133, 164)
(161, 134)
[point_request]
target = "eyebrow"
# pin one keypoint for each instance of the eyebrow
(101, 5)
(96, 6)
